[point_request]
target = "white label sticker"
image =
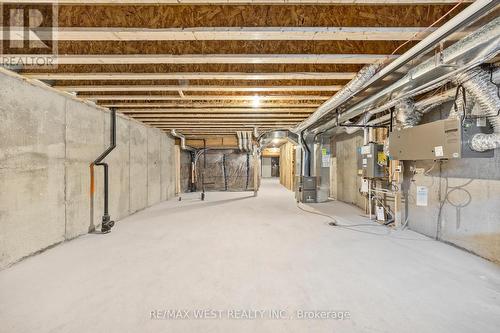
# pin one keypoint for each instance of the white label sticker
(325, 161)
(422, 195)
(380, 213)
(365, 161)
(364, 185)
(481, 122)
(438, 151)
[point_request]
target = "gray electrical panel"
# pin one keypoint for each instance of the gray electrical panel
(371, 161)
(442, 139)
(306, 189)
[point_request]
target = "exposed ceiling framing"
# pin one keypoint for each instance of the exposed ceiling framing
(213, 68)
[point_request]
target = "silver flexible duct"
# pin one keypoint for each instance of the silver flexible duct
(244, 141)
(488, 35)
(240, 140)
(255, 132)
(461, 107)
(485, 93)
(249, 141)
(183, 140)
(406, 113)
(430, 103)
(365, 74)
(421, 107)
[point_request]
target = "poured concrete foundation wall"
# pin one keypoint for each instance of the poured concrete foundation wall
(469, 215)
(467, 212)
(47, 142)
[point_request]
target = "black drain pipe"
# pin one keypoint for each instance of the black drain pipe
(248, 171)
(107, 224)
(204, 167)
(224, 171)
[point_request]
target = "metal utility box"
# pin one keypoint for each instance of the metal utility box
(307, 196)
(442, 139)
(308, 183)
(306, 189)
(371, 161)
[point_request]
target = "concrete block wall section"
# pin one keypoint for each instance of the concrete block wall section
(47, 141)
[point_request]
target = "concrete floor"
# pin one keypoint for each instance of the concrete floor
(237, 252)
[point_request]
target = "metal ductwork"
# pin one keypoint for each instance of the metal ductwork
(267, 138)
(240, 140)
(358, 82)
(183, 140)
(363, 120)
(243, 141)
(475, 10)
(484, 92)
(430, 103)
(248, 141)
(475, 49)
(406, 114)
(418, 108)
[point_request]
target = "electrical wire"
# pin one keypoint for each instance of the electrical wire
(426, 172)
(430, 26)
(352, 227)
(446, 199)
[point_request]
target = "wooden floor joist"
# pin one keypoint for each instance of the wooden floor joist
(204, 59)
(201, 66)
(203, 97)
(221, 110)
(225, 117)
(94, 88)
(227, 127)
(221, 120)
(236, 33)
(218, 121)
(193, 76)
(242, 2)
(153, 107)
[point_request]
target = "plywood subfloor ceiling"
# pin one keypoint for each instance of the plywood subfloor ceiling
(213, 68)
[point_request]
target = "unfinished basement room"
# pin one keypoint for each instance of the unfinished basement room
(295, 166)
